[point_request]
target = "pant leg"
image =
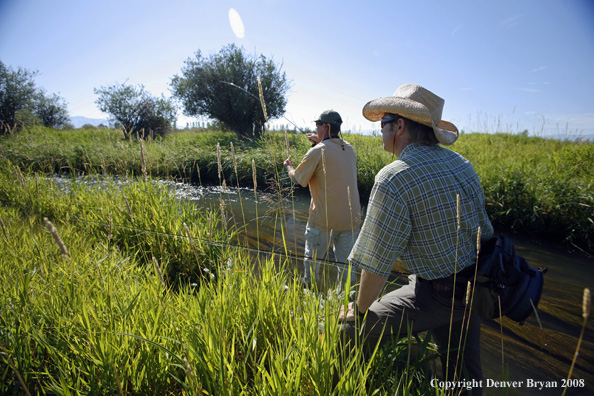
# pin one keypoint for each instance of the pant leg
(343, 243)
(464, 361)
(418, 307)
(316, 249)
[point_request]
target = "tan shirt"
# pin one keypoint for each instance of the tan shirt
(331, 173)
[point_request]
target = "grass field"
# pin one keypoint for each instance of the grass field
(539, 187)
(95, 304)
(126, 293)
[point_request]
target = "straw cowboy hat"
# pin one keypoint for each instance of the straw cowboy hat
(415, 103)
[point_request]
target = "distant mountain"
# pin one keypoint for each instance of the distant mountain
(79, 121)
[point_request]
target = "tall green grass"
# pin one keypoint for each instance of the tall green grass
(532, 185)
(142, 218)
(102, 321)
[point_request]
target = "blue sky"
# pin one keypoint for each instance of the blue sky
(499, 65)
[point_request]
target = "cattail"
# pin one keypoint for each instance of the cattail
(3, 229)
(237, 179)
(220, 166)
(128, 206)
(56, 236)
(262, 102)
(349, 197)
(254, 176)
(350, 211)
(188, 368)
(234, 161)
(199, 178)
(142, 159)
(458, 209)
(478, 242)
(585, 314)
(468, 292)
(586, 304)
(20, 177)
(159, 271)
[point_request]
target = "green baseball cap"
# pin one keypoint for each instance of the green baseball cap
(330, 117)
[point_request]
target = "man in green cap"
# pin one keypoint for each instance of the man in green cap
(330, 170)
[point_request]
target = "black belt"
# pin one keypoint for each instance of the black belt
(446, 284)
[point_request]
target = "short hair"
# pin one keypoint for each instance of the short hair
(418, 133)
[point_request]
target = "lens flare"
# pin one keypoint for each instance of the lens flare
(236, 23)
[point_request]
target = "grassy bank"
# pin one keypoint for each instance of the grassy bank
(103, 307)
(536, 186)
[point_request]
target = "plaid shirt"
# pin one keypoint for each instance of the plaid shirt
(412, 215)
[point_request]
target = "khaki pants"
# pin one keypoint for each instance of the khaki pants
(317, 248)
(423, 308)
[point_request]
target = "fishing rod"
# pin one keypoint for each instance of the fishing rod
(259, 99)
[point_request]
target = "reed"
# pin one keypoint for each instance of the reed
(262, 102)
(56, 237)
(3, 229)
(142, 158)
(255, 181)
(238, 188)
(585, 314)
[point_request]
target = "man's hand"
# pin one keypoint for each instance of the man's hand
(350, 314)
(369, 289)
(313, 137)
(288, 162)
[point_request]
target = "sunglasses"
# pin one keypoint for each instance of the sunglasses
(388, 120)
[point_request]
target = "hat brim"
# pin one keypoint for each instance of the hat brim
(445, 132)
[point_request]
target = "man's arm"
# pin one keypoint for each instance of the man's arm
(369, 290)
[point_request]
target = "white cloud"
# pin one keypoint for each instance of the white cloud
(541, 68)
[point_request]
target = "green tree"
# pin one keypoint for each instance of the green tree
(17, 94)
(136, 110)
(224, 86)
(51, 110)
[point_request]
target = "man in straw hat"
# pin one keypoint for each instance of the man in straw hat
(330, 169)
(425, 210)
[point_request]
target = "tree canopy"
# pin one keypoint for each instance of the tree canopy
(136, 109)
(51, 110)
(224, 86)
(22, 103)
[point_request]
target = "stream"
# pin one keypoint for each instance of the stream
(536, 356)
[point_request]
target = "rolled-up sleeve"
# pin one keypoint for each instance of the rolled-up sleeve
(385, 231)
